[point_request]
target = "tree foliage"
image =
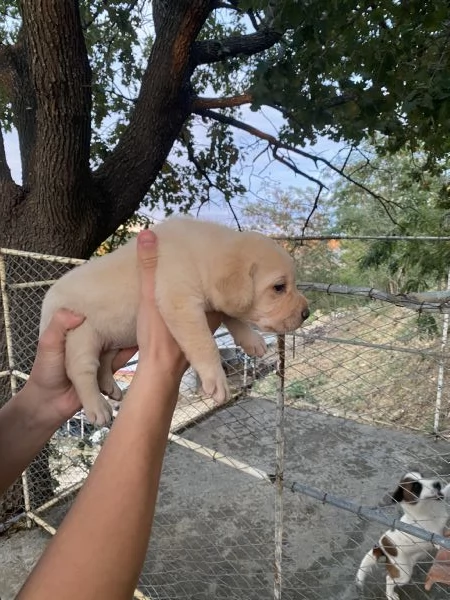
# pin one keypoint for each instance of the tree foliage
(364, 68)
(145, 98)
(124, 233)
(419, 205)
(291, 214)
(409, 196)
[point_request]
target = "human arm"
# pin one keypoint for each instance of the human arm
(46, 401)
(99, 549)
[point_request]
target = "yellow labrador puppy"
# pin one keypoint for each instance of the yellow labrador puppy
(202, 266)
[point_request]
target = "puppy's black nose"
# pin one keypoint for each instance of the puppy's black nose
(305, 314)
(437, 485)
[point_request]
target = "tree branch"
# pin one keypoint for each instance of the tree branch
(161, 8)
(211, 51)
(252, 16)
(96, 13)
(212, 185)
(273, 143)
(102, 6)
(162, 106)
(335, 102)
(194, 160)
(228, 5)
(277, 145)
(4, 56)
(312, 211)
(287, 162)
(6, 67)
(200, 103)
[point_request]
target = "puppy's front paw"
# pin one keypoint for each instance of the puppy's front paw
(98, 413)
(253, 343)
(216, 386)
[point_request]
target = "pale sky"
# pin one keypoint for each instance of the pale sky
(259, 175)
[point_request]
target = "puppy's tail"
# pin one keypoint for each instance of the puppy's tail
(366, 566)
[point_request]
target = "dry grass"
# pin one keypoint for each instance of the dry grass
(341, 375)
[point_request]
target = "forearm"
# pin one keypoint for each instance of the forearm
(25, 428)
(99, 549)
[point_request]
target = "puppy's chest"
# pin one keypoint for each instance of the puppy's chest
(408, 545)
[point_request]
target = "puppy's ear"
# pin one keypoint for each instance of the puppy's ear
(235, 285)
(397, 495)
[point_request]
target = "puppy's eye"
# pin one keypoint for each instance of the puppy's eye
(416, 488)
(280, 288)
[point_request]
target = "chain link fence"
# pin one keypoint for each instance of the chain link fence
(280, 493)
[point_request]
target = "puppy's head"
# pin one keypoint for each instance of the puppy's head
(258, 285)
(414, 488)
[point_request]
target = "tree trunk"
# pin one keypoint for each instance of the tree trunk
(62, 207)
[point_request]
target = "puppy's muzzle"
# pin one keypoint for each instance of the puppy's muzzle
(296, 319)
(438, 487)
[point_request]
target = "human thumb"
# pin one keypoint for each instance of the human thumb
(146, 248)
(147, 258)
(54, 336)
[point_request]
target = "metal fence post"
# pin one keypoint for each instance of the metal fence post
(279, 467)
(441, 369)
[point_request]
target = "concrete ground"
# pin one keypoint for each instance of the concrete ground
(214, 529)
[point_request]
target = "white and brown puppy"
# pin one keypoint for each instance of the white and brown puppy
(424, 505)
(202, 266)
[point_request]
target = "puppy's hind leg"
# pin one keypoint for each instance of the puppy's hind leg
(391, 594)
(106, 381)
(82, 363)
(399, 574)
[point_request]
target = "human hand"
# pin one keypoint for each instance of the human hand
(48, 380)
(439, 571)
(158, 350)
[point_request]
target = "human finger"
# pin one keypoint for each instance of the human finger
(54, 336)
(147, 259)
(122, 357)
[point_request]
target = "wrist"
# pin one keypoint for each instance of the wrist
(155, 387)
(155, 374)
(36, 414)
(48, 410)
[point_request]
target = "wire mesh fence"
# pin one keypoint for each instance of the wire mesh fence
(280, 493)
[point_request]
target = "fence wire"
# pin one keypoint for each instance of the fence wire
(280, 493)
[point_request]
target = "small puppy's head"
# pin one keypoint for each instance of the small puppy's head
(258, 285)
(414, 488)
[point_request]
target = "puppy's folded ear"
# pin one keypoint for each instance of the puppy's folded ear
(235, 285)
(397, 495)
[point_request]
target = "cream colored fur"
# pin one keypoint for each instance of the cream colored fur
(201, 267)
